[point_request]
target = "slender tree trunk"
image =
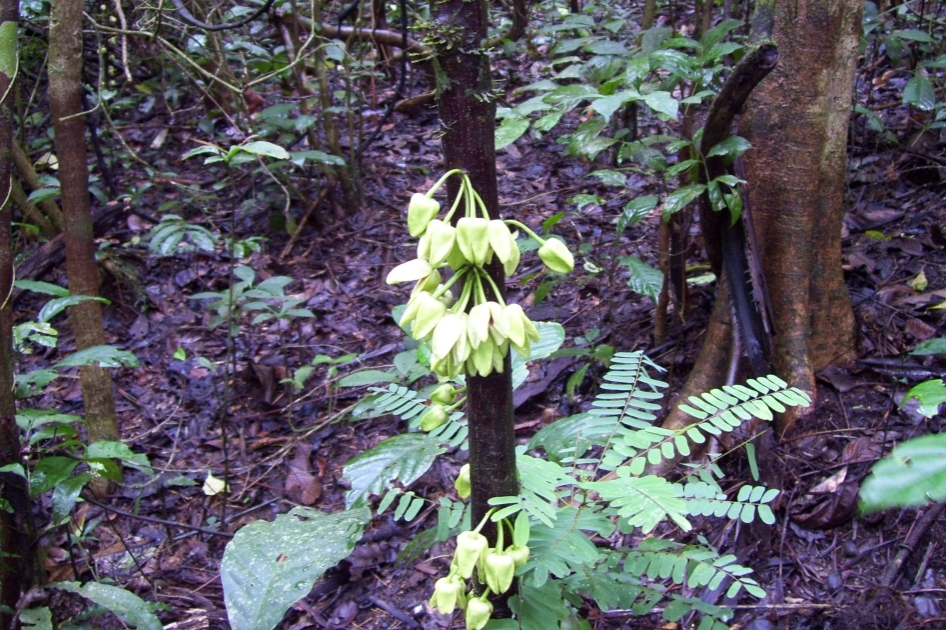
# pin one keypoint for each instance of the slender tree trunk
(14, 535)
(467, 115)
(65, 96)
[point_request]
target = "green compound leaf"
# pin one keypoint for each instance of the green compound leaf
(127, 606)
(268, 567)
(403, 458)
(914, 474)
(644, 501)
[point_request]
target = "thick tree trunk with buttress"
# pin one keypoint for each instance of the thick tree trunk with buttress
(796, 120)
(467, 115)
(65, 96)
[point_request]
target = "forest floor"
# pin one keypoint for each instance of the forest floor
(822, 565)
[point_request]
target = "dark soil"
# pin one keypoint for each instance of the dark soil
(823, 565)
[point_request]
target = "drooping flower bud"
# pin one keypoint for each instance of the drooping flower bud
(462, 484)
(473, 239)
(556, 256)
(519, 555)
(470, 546)
(478, 612)
(510, 266)
(500, 239)
(442, 237)
(430, 310)
(410, 271)
(446, 394)
(428, 284)
(421, 210)
(434, 418)
(448, 332)
(446, 592)
(499, 569)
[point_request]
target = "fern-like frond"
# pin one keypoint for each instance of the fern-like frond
(539, 482)
(717, 411)
(643, 501)
(561, 547)
(623, 396)
(397, 400)
(693, 565)
(703, 499)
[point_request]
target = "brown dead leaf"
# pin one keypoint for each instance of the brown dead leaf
(860, 450)
(919, 329)
(301, 485)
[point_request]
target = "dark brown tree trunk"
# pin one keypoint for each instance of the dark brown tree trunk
(467, 115)
(14, 536)
(65, 96)
(796, 120)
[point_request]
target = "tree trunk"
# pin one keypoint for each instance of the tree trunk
(14, 533)
(467, 115)
(65, 97)
(796, 120)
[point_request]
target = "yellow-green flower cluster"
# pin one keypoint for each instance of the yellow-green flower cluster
(495, 569)
(473, 333)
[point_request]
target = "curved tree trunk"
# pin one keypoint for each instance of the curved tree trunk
(65, 97)
(796, 120)
(467, 115)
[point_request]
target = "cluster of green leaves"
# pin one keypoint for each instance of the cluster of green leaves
(914, 474)
(59, 463)
(912, 42)
(620, 88)
(568, 504)
(267, 299)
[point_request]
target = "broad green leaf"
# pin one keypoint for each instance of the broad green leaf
(662, 103)
(510, 130)
(50, 472)
(930, 394)
(46, 288)
(609, 104)
(367, 377)
(37, 618)
(319, 157)
(202, 150)
(127, 606)
(644, 279)
(42, 194)
(268, 567)
(267, 149)
(403, 458)
(105, 356)
(606, 47)
(915, 35)
(731, 147)
(914, 474)
(539, 606)
(919, 93)
(682, 196)
(59, 304)
(931, 346)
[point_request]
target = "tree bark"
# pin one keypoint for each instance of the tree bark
(797, 122)
(14, 532)
(65, 96)
(467, 115)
